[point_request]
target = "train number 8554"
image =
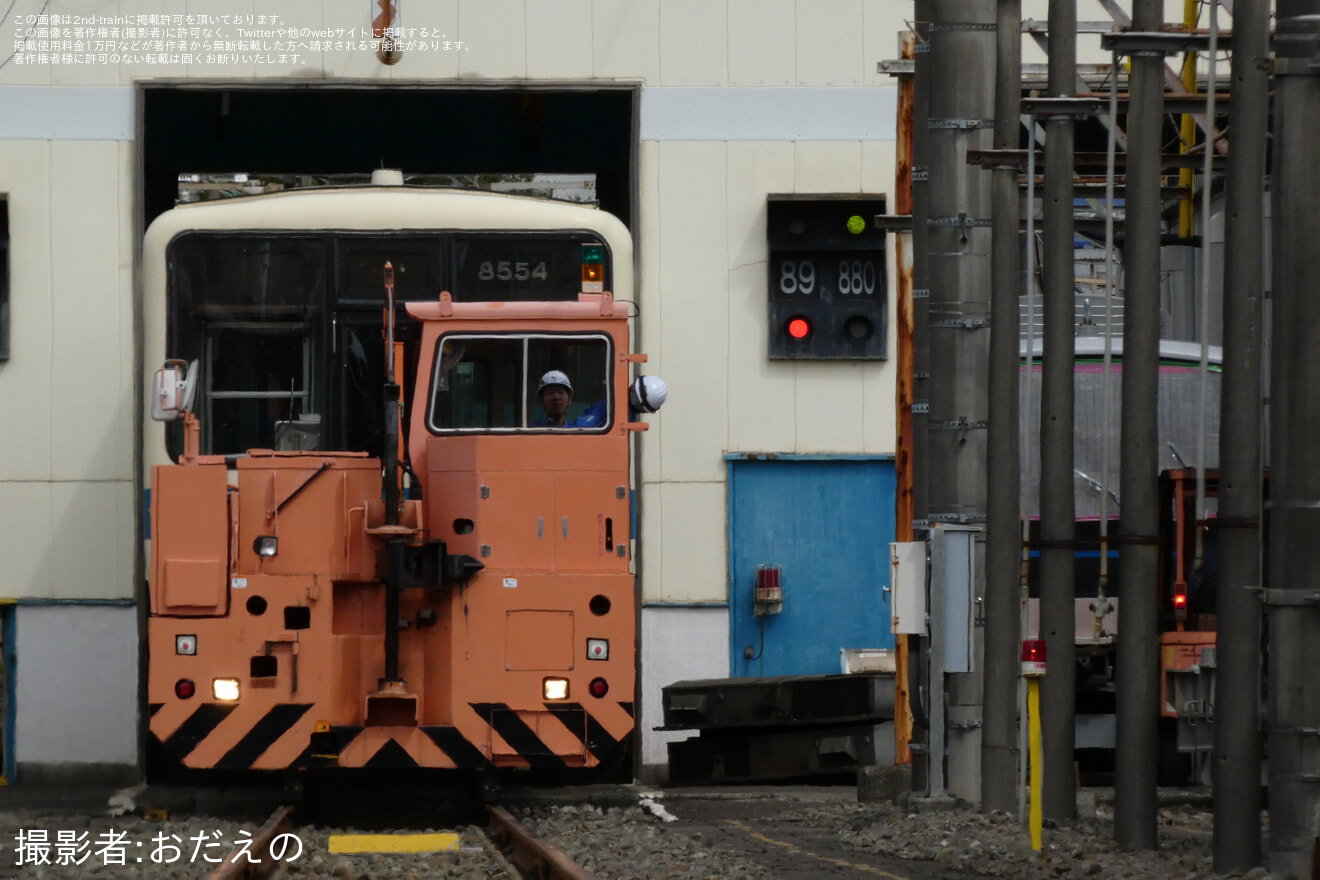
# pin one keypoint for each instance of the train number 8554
(505, 270)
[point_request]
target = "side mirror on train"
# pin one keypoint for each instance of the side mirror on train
(174, 389)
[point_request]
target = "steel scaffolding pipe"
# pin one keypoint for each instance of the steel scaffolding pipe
(1003, 537)
(1237, 753)
(962, 52)
(1057, 496)
(1138, 642)
(1294, 689)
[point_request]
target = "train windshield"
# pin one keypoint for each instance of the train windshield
(287, 328)
(521, 383)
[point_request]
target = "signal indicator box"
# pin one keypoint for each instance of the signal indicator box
(828, 278)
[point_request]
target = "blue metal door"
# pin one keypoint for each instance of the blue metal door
(828, 523)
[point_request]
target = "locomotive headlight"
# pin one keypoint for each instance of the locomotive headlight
(266, 545)
(225, 689)
(555, 689)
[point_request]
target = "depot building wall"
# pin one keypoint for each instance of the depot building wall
(739, 99)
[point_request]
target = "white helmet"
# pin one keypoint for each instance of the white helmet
(554, 377)
(648, 393)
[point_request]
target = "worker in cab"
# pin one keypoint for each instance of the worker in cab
(646, 394)
(556, 394)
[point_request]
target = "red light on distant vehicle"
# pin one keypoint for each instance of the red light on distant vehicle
(799, 328)
(598, 687)
(1180, 604)
(184, 689)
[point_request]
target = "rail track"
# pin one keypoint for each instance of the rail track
(237, 866)
(532, 857)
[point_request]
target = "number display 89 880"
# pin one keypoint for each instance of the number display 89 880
(855, 278)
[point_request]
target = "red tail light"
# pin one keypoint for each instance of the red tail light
(598, 687)
(184, 689)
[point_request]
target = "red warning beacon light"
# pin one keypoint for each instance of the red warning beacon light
(799, 328)
(1033, 657)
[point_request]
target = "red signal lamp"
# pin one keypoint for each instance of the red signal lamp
(598, 687)
(799, 327)
(1033, 657)
(184, 689)
(1180, 602)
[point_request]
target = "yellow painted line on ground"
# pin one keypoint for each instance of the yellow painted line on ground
(792, 847)
(393, 843)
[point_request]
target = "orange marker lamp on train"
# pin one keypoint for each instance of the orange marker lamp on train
(593, 268)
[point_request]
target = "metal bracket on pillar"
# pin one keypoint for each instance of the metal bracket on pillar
(1065, 108)
(962, 222)
(1160, 43)
(893, 222)
(962, 324)
(960, 424)
(958, 519)
(1274, 597)
(1295, 67)
(921, 407)
(985, 27)
(959, 124)
(969, 724)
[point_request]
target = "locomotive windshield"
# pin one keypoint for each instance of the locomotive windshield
(521, 383)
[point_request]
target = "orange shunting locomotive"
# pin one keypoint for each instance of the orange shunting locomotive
(462, 600)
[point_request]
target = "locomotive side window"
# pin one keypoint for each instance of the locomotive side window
(493, 384)
(585, 362)
(478, 384)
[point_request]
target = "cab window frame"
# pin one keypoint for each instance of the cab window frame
(527, 381)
